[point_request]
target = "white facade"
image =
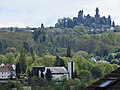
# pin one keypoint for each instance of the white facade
(7, 71)
(59, 76)
(57, 72)
(5, 75)
(71, 69)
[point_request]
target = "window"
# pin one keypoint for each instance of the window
(108, 83)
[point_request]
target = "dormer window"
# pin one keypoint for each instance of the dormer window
(2, 65)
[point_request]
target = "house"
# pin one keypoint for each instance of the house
(108, 82)
(103, 61)
(95, 59)
(57, 72)
(7, 71)
(38, 71)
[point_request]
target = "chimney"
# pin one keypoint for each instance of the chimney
(71, 69)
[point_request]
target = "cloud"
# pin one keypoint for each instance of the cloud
(34, 12)
(13, 24)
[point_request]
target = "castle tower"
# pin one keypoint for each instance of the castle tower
(97, 15)
(80, 14)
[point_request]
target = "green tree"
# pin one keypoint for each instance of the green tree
(59, 61)
(33, 55)
(80, 29)
(118, 55)
(110, 57)
(10, 49)
(26, 46)
(48, 74)
(108, 68)
(97, 71)
(47, 60)
(22, 60)
(1, 47)
(10, 58)
(68, 51)
(18, 70)
(2, 59)
(84, 75)
(34, 82)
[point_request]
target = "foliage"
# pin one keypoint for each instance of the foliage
(56, 47)
(22, 60)
(84, 75)
(59, 61)
(48, 74)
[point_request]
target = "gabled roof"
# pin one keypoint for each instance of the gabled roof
(2, 64)
(108, 82)
(6, 68)
(57, 70)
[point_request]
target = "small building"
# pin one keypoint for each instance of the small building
(7, 71)
(57, 72)
(38, 71)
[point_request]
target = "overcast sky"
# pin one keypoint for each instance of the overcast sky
(24, 13)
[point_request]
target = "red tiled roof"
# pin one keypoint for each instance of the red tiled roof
(6, 68)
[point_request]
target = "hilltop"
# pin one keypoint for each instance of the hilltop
(91, 22)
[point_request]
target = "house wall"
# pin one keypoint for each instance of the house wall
(59, 76)
(5, 75)
(36, 71)
(71, 69)
(13, 73)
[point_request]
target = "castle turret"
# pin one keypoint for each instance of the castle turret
(97, 15)
(109, 20)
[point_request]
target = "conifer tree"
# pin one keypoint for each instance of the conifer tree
(23, 60)
(68, 51)
(48, 75)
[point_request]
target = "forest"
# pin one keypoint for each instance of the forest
(56, 47)
(92, 42)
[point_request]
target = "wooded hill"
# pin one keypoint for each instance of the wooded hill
(56, 47)
(55, 41)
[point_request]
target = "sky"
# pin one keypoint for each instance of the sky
(32, 13)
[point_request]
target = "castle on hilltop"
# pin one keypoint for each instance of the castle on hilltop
(88, 21)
